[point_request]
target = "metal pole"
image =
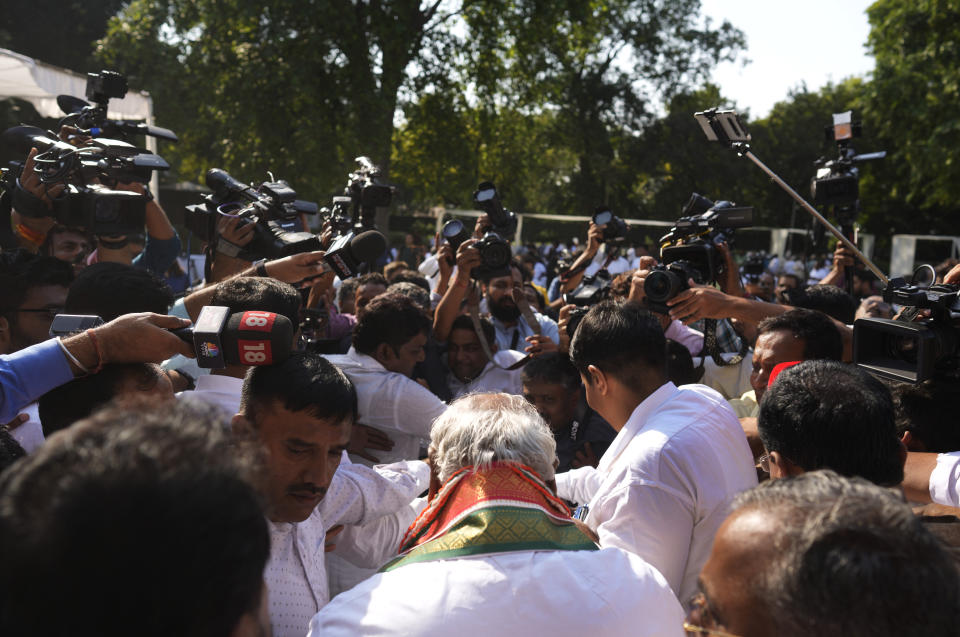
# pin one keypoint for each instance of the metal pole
(816, 215)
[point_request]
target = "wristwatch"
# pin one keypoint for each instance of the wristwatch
(261, 267)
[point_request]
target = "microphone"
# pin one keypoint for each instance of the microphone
(348, 252)
(220, 338)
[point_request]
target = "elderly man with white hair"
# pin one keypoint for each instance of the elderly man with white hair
(496, 551)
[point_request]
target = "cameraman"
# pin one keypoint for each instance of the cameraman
(155, 254)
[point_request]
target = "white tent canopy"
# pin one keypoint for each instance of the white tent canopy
(39, 84)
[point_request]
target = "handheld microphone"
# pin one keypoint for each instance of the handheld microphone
(220, 338)
(348, 252)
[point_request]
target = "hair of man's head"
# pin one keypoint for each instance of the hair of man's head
(463, 322)
(348, 289)
(553, 368)
(620, 285)
(61, 407)
(827, 415)
(680, 369)
(410, 276)
(821, 338)
(253, 293)
(928, 410)
(10, 449)
(828, 299)
(390, 318)
(621, 339)
(479, 429)
(413, 292)
(21, 271)
(305, 382)
(137, 520)
(110, 290)
(374, 278)
(850, 558)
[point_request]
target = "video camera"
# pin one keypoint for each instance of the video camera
(913, 351)
(367, 192)
(86, 173)
(271, 206)
(494, 246)
(92, 119)
(689, 250)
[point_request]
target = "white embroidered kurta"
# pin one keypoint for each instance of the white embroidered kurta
(295, 575)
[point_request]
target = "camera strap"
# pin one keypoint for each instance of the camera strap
(710, 346)
(525, 311)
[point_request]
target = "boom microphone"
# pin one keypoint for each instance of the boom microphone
(220, 338)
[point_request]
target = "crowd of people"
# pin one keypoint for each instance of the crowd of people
(441, 453)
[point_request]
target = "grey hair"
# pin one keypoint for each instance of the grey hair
(479, 429)
(412, 291)
(851, 558)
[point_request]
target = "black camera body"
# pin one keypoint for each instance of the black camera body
(502, 221)
(272, 207)
(912, 351)
(689, 250)
(339, 215)
(593, 289)
(495, 253)
(615, 228)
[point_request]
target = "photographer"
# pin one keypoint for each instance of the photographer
(500, 293)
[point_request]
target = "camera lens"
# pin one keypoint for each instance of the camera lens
(602, 218)
(452, 228)
(661, 285)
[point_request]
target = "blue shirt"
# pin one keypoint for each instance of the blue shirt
(30, 373)
(158, 254)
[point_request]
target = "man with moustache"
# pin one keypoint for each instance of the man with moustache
(511, 329)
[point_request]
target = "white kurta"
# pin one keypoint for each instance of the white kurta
(663, 487)
(492, 378)
(528, 593)
(945, 480)
(296, 576)
(401, 407)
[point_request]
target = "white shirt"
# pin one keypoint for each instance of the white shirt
(403, 408)
(523, 594)
(505, 335)
(296, 576)
(945, 480)
(492, 378)
(223, 391)
(663, 487)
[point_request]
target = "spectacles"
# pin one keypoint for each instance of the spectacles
(51, 312)
(700, 614)
(764, 463)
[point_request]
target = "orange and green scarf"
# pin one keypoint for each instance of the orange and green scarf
(497, 510)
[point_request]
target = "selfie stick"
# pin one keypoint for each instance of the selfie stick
(725, 126)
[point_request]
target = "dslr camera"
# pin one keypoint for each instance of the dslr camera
(615, 228)
(271, 206)
(494, 246)
(689, 250)
(367, 192)
(592, 289)
(908, 350)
